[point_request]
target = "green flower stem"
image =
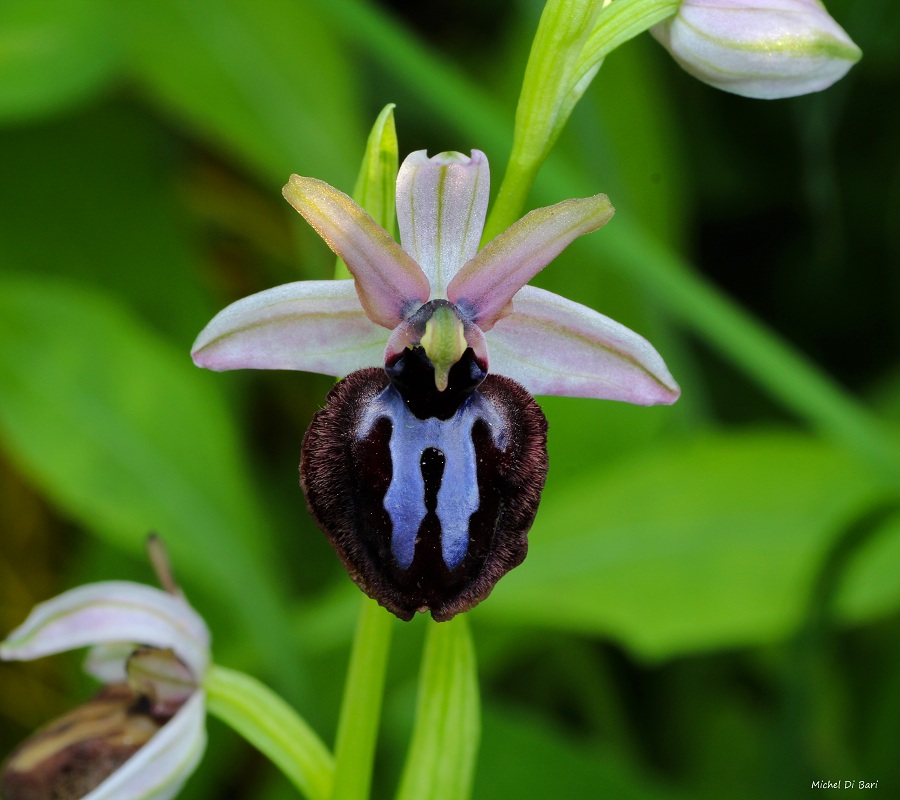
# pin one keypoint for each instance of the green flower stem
(273, 727)
(440, 764)
(361, 709)
(620, 21)
(573, 38)
(550, 89)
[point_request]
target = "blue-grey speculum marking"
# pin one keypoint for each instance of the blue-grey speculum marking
(457, 497)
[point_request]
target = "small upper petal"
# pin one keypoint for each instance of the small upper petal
(159, 769)
(486, 284)
(552, 345)
(315, 326)
(441, 207)
(108, 612)
(389, 283)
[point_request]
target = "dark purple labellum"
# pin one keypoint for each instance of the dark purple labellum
(427, 496)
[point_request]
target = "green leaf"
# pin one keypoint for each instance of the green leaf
(55, 54)
(377, 180)
(706, 544)
(123, 433)
(870, 584)
(265, 81)
(582, 436)
(523, 757)
(440, 764)
(273, 727)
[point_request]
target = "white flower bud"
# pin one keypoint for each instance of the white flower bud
(759, 48)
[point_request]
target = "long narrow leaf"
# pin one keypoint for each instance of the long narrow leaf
(273, 727)
(695, 546)
(440, 764)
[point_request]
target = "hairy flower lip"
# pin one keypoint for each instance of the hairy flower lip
(345, 501)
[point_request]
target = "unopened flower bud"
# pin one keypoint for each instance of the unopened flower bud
(759, 48)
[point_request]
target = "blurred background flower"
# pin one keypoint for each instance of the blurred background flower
(710, 602)
(143, 734)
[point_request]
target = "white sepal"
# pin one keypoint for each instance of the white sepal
(111, 612)
(159, 769)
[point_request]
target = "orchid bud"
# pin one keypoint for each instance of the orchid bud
(759, 48)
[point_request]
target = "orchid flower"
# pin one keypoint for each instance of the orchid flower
(424, 470)
(759, 48)
(143, 734)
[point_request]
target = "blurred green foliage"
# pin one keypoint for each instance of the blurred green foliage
(710, 605)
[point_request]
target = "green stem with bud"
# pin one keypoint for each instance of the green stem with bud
(573, 38)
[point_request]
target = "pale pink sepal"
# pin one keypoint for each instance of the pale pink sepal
(315, 326)
(113, 611)
(159, 769)
(441, 207)
(555, 346)
(488, 282)
(390, 284)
